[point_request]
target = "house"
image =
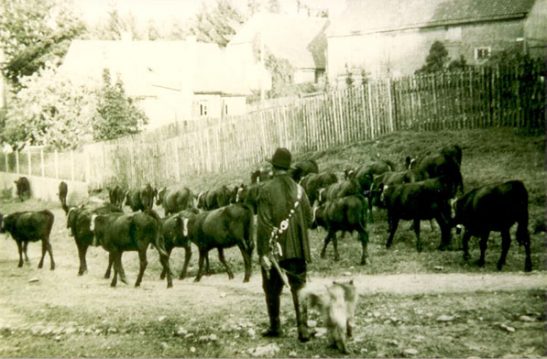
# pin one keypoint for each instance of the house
(169, 80)
(299, 39)
(394, 36)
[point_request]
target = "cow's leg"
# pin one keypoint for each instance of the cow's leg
(465, 244)
(109, 267)
(483, 243)
(505, 244)
(393, 223)
(207, 267)
(20, 250)
(116, 257)
(363, 237)
(82, 250)
(50, 252)
(121, 271)
(246, 262)
(142, 265)
(335, 245)
(325, 244)
(416, 225)
(223, 261)
(202, 255)
(187, 256)
(25, 253)
(168, 250)
(44, 249)
(164, 260)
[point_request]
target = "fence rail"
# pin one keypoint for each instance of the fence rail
(475, 98)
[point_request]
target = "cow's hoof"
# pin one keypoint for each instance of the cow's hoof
(170, 285)
(124, 280)
(162, 276)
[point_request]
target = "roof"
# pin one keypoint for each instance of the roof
(146, 65)
(298, 39)
(361, 17)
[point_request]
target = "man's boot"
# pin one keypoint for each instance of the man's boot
(301, 319)
(273, 313)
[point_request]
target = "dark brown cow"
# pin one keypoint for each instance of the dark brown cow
(30, 226)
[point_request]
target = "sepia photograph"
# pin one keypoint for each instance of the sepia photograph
(273, 179)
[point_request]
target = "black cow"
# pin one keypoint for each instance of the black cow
(343, 214)
(23, 188)
(495, 207)
(175, 234)
(260, 175)
(141, 199)
(302, 168)
(116, 195)
(315, 182)
(429, 199)
(389, 178)
(79, 222)
(175, 199)
(341, 189)
(216, 198)
(131, 232)
(63, 191)
(30, 226)
(445, 163)
(249, 195)
(365, 174)
(223, 228)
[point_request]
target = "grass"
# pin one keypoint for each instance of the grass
(63, 315)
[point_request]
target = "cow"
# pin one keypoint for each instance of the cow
(222, 228)
(249, 195)
(494, 207)
(79, 223)
(314, 183)
(260, 175)
(116, 195)
(130, 232)
(339, 189)
(445, 163)
(428, 199)
(175, 234)
(141, 199)
(63, 191)
(23, 188)
(389, 178)
(302, 168)
(216, 198)
(342, 214)
(175, 199)
(30, 226)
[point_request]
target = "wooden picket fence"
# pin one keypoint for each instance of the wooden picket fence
(476, 98)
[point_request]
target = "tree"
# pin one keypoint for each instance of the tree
(116, 114)
(436, 60)
(217, 25)
(457, 65)
(50, 110)
(33, 33)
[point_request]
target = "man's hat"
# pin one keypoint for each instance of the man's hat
(281, 158)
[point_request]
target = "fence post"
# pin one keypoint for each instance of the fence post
(177, 161)
(6, 162)
(370, 110)
(390, 99)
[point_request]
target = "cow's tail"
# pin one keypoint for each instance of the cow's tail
(248, 228)
(50, 220)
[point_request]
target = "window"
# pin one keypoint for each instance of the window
(482, 53)
(203, 108)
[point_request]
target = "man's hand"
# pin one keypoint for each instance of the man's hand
(265, 263)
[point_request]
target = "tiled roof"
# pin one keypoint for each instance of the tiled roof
(296, 38)
(368, 16)
(144, 65)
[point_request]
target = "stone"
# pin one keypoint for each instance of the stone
(445, 318)
(525, 318)
(507, 328)
(410, 351)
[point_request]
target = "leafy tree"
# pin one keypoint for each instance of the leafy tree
(34, 32)
(457, 65)
(116, 114)
(49, 110)
(217, 25)
(436, 60)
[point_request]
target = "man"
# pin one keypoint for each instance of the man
(284, 215)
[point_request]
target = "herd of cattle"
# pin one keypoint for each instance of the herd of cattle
(430, 188)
